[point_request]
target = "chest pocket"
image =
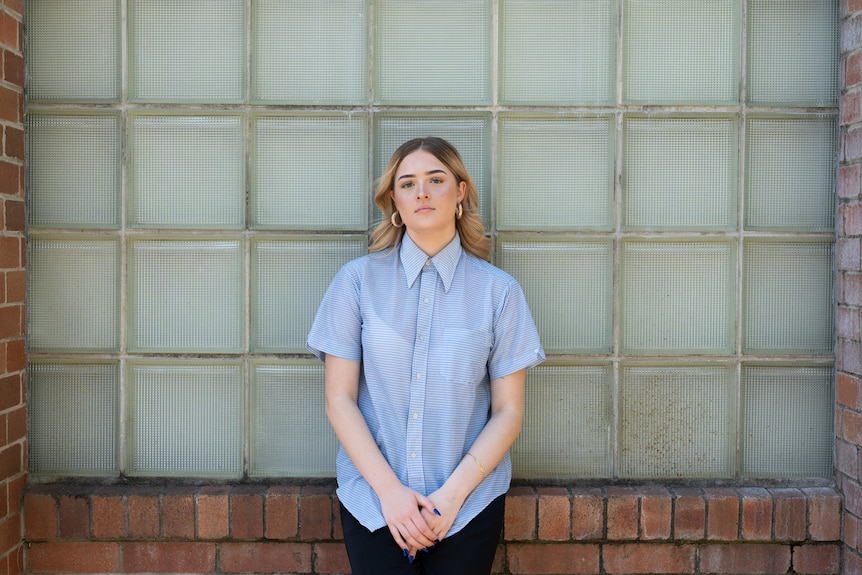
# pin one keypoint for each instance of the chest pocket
(467, 353)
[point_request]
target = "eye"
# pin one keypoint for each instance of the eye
(436, 180)
(406, 184)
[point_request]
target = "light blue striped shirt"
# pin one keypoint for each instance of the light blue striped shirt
(430, 334)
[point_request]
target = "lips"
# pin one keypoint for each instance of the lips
(424, 209)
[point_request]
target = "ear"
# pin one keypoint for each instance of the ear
(462, 191)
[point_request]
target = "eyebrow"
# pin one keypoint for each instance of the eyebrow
(426, 173)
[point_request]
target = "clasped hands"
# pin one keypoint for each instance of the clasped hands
(415, 522)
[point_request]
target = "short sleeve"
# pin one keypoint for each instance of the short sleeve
(516, 339)
(337, 327)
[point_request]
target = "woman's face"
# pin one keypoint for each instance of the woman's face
(426, 194)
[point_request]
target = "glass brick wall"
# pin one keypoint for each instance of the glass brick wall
(658, 174)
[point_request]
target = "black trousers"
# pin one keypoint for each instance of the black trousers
(468, 552)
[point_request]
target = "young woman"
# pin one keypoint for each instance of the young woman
(426, 346)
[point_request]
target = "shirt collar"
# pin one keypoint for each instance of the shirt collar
(445, 262)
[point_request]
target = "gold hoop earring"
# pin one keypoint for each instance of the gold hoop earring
(459, 212)
(392, 219)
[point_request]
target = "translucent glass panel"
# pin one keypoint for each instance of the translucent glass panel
(568, 420)
(677, 421)
(289, 276)
(558, 52)
(189, 51)
(185, 419)
(681, 51)
(569, 286)
(290, 435)
(793, 52)
(787, 415)
(432, 52)
(73, 411)
(73, 50)
(680, 173)
(555, 173)
(787, 297)
(187, 171)
(73, 170)
(186, 295)
(309, 52)
(73, 294)
(310, 172)
(678, 297)
(790, 178)
(470, 133)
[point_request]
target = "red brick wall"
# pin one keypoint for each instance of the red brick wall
(13, 421)
(265, 529)
(848, 419)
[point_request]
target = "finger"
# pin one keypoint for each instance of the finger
(396, 535)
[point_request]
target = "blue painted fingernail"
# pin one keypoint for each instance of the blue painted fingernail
(410, 559)
(405, 553)
(424, 550)
(436, 541)
(437, 512)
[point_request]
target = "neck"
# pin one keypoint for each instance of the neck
(431, 243)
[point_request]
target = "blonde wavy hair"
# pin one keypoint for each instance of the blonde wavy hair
(470, 227)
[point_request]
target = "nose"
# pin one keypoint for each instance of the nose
(420, 191)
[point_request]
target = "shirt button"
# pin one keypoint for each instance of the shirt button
(418, 376)
(426, 300)
(415, 416)
(412, 456)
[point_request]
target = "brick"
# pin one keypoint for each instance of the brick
(555, 514)
(623, 512)
(109, 515)
(817, 559)
(656, 513)
(588, 522)
(547, 558)
(281, 508)
(74, 517)
(852, 563)
(10, 322)
(648, 558)
(689, 514)
(849, 108)
(520, 519)
(849, 181)
(10, 531)
(11, 461)
(847, 254)
(265, 557)
(10, 392)
(722, 514)
(178, 514)
(212, 512)
(824, 514)
(16, 355)
(853, 69)
(13, 67)
(143, 509)
(850, 533)
(851, 33)
(14, 140)
(756, 514)
(10, 252)
(16, 286)
(246, 515)
(163, 557)
(755, 558)
(847, 391)
(68, 557)
(330, 558)
(790, 512)
(315, 513)
(40, 516)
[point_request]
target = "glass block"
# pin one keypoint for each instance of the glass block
(680, 174)
(290, 435)
(191, 51)
(432, 52)
(681, 51)
(73, 294)
(678, 297)
(787, 415)
(73, 411)
(287, 149)
(558, 52)
(793, 52)
(289, 276)
(306, 52)
(187, 172)
(74, 171)
(568, 420)
(787, 297)
(469, 133)
(186, 295)
(73, 50)
(555, 173)
(569, 287)
(677, 421)
(185, 419)
(790, 179)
